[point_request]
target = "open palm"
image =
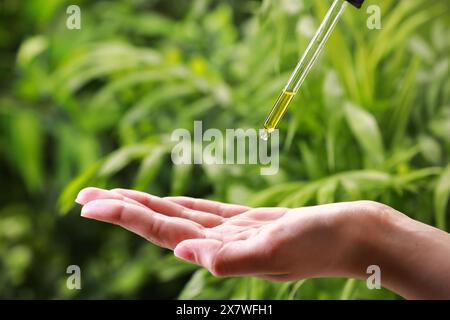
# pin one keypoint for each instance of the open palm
(225, 238)
(338, 239)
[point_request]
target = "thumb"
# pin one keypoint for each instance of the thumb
(199, 251)
(233, 258)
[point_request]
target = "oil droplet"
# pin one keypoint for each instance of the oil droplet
(264, 134)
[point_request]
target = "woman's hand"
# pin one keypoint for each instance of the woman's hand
(272, 243)
(340, 239)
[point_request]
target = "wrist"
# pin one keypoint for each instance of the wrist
(410, 255)
(350, 237)
(368, 231)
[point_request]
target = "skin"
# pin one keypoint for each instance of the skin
(282, 244)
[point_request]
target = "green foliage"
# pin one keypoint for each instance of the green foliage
(97, 106)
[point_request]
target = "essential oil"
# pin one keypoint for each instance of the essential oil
(279, 109)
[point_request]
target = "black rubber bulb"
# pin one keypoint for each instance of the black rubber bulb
(356, 3)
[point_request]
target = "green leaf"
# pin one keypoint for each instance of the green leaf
(149, 168)
(326, 192)
(283, 291)
(301, 197)
(348, 289)
(295, 289)
(31, 48)
(272, 196)
(365, 130)
(404, 180)
(441, 197)
(26, 147)
(257, 288)
(240, 291)
(122, 157)
(67, 198)
(181, 175)
(195, 285)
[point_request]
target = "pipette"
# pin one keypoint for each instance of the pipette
(305, 64)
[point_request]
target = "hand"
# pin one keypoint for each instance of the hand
(272, 243)
(340, 239)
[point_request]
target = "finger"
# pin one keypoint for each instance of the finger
(230, 259)
(162, 230)
(214, 207)
(91, 193)
(170, 208)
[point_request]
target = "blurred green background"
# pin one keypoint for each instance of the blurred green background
(96, 107)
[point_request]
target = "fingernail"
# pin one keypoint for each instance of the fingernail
(89, 209)
(79, 198)
(85, 211)
(185, 254)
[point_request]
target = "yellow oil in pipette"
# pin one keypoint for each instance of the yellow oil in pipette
(278, 110)
(303, 67)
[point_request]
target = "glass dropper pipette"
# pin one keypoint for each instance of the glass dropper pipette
(305, 64)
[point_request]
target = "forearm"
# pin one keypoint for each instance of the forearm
(414, 258)
(340, 239)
